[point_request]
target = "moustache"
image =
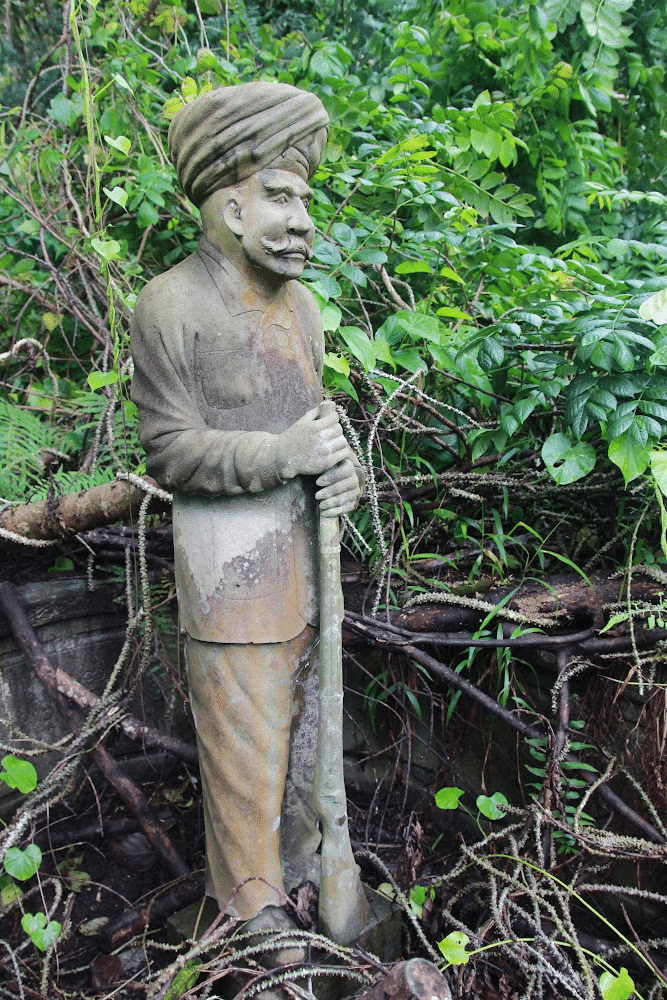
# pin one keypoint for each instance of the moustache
(287, 245)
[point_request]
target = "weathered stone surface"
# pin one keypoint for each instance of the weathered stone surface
(82, 633)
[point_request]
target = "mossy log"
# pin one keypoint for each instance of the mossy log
(58, 518)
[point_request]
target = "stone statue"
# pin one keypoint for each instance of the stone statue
(228, 351)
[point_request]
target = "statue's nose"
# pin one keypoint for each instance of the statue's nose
(300, 222)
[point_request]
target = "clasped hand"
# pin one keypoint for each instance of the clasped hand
(315, 446)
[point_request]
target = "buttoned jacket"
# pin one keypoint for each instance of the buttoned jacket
(218, 375)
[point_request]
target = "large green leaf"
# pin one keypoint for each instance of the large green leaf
(331, 317)
(491, 806)
(448, 798)
(23, 864)
(658, 460)
(19, 774)
(616, 987)
(42, 934)
(359, 345)
(184, 980)
(491, 354)
(566, 462)
(327, 253)
(453, 947)
(629, 455)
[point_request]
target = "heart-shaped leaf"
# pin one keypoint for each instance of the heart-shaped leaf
(108, 249)
(567, 462)
(619, 987)
(23, 864)
(42, 935)
(448, 798)
(121, 143)
(19, 774)
(491, 805)
(453, 947)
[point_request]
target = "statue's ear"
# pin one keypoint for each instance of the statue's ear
(232, 214)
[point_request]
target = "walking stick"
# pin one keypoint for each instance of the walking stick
(344, 910)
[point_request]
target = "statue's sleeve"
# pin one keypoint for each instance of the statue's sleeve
(182, 452)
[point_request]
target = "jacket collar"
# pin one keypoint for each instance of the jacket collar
(238, 296)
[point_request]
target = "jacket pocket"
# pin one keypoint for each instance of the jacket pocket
(225, 378)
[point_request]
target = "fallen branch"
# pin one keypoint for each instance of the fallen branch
(135, 920)
(74, 831)
(61, 517)
(569, 600)
(82, 696)
(133, 797)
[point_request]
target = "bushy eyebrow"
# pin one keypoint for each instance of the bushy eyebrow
(284, 187)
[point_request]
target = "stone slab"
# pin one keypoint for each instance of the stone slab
(82, 631)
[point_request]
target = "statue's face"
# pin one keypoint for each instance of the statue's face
(262, 225)
(272, 221)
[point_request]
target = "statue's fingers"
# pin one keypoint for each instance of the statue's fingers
(339, 509)
(342, 472)
(332, 499)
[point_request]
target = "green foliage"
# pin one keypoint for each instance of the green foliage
(453, 948)
(20, 774)
(613, 986)
(70, 870)
(417, 898)
(478, 121)
(568, 779)
(566, 462)
(491, 806)
(448, 798)
(43, 934)
(616, 987)
(23, 864)
(187, 977)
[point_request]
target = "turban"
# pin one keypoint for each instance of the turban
(225, 135)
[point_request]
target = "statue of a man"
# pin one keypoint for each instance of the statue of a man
(228, 350)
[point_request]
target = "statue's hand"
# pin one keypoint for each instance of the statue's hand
(313, 445)
(339, 489)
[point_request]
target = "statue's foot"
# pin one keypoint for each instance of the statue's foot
(274, 918)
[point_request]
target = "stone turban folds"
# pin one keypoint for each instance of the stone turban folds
(226, 135)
